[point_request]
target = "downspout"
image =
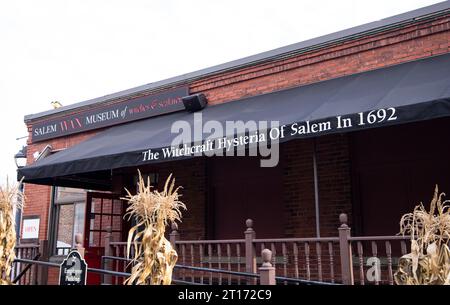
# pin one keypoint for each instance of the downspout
(51, 224)
(316, 189)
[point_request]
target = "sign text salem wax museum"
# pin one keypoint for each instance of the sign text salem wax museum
(105, 116)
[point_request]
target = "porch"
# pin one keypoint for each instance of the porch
(341, 259)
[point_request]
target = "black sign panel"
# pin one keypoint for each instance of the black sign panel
(73, 270)
(122, 112)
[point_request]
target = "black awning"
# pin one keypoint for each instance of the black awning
(409, 92)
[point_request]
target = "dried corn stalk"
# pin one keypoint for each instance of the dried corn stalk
(429, 260)
(10, 196)
(154, 258)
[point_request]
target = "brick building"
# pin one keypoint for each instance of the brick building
(373, 172)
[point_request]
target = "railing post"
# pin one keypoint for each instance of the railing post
(174, 235)
(106, 278)
(250, 257)
(345, 251)
(42, 271)
(267, 271)
(79, 244)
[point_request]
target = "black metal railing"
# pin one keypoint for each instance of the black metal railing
(197, 276)
(89, 269)
(294, 281)
(200, 275)
(25, 269)
(204, 276)
(28, 273)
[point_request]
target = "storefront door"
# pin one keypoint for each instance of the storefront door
(103, 210)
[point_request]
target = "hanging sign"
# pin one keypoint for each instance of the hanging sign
(73, 270)
(105, 116)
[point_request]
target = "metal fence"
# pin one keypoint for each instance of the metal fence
(266, 275)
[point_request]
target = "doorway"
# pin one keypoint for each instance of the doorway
(103, 210)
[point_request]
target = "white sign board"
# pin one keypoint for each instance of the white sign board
(30, 228)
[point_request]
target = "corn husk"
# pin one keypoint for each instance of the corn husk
(429, 260)
(154, 257)
(10, 196)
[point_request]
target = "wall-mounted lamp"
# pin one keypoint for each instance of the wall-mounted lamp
(21, 157)
(194, 102)
(42, 154)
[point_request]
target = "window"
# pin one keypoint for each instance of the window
(70, 205)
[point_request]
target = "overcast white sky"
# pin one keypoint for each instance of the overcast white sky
(72, 51)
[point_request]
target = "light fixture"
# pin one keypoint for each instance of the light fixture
(194, 102)
(44, 153)
(21, 157)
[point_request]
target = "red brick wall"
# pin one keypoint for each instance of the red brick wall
(377, 51)
(423, 39)
(53, 276)
(334, 180)
(191, 175)
(334, 185)
(298, 188)
(37, 197)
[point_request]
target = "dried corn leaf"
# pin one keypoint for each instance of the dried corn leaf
(10, 196)
(429, 260)
(154, 258)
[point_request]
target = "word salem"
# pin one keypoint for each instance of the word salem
(45, 130)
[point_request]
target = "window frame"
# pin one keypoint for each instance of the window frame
(57, 203)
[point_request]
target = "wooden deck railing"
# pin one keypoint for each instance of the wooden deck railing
(325, 259)
(385, 250)
(28, 274)
(306, 258)
(351, 260)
